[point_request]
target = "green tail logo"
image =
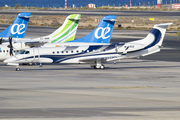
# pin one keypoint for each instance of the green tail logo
(67, 31)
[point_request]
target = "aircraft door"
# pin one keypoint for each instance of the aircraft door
(36, 55)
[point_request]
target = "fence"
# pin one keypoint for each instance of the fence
(147, 3)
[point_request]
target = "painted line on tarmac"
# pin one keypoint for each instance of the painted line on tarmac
(127, 87)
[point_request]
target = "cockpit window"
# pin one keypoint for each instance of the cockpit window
(22, 52)
(27, 52)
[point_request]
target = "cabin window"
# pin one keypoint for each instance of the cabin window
(0, 51)
(77, 51)
(3, 50)
(62, 52)
(66, 51)
(27, 52)
(17, 50)
(53, 52)
(82, 50)
(57, 52)
(7, 50)
(71, 51)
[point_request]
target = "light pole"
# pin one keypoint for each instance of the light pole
(159, 2)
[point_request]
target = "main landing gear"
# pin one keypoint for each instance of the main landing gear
(98, 65)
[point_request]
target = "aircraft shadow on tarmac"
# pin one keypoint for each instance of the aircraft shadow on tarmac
(108, 66)
(78, 112)
(62, 113)
(88, 68)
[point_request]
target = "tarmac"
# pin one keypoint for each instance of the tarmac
(131, 89)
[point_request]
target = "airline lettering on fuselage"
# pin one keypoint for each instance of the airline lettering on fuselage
(19, 28)
(104, 32)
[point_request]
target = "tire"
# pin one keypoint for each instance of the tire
(17, 69)
(30, 64)
(102, 67)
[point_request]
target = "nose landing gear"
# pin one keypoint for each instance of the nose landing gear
(17, 68)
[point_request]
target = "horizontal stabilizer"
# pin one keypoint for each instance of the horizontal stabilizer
(112, 20)
(164, 25)
(24, 15)
(74, 18)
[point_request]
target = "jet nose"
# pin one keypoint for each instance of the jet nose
(10, 60)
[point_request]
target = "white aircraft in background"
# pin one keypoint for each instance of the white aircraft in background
(64, 33)
(95, 55)
(17, 30)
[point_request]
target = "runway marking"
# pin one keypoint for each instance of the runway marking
(124, 36)
(128, 87)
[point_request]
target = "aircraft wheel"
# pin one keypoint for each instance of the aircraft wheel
(30, 64)
(102, 67)
(18, 69)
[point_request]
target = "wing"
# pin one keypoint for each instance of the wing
(35, 43)
(103, 58)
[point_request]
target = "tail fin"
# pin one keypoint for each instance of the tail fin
(64, 33)
(19, 27)
(102, 34)
(162, 28)
(156, 36)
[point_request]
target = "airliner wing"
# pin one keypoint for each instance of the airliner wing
(35, 43)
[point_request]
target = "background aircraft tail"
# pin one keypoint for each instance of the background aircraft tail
(19, 27)
(102, 34)
(64, 33)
